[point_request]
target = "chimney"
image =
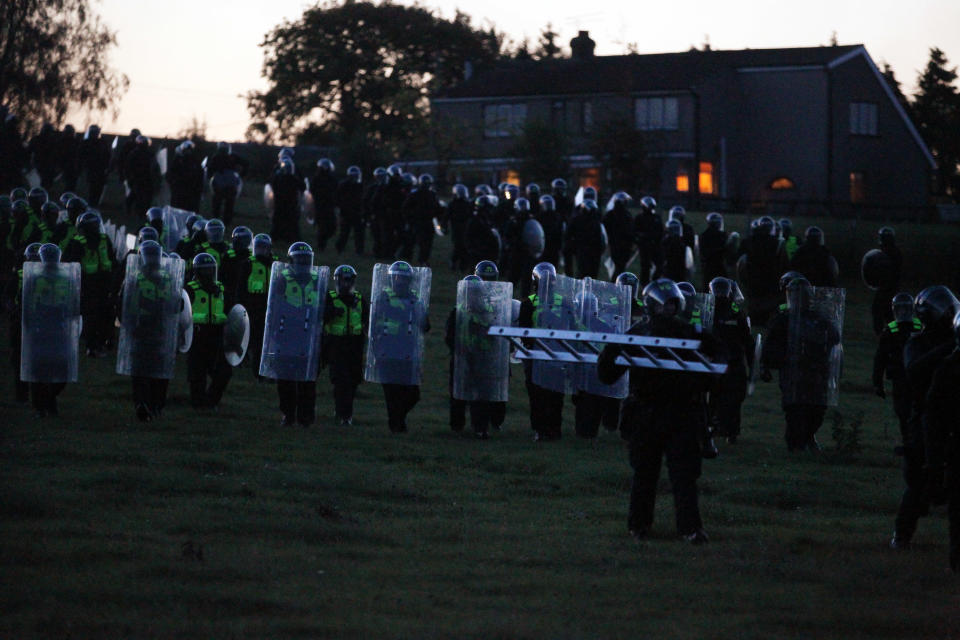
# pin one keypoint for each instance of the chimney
(582, 46)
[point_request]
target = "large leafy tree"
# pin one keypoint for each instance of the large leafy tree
(936, 107)
(362, 70)
(53, 55)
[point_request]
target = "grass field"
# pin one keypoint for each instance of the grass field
(228, 526)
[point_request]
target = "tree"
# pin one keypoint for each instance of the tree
(362, 69)
(53, 55)
(542, 151)
(936, 107)
(894, 84)
(547, 47)
(623, 153)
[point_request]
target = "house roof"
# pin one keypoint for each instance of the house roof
(629, 73)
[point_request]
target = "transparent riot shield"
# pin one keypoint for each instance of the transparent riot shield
(268, 200)
(50, 322)
(174, 227)
(698, 310)
(481, 362)
(398, 318)
(533, 238)
(293, 331)
(556, 310)
(602, 307)
(149, 318)
(811, 373)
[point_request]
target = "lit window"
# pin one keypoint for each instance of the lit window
(510, 176)
(683, 180)
(858, 187)
(589, 177)
(782, 184)
(656, 113)
(503, 120)
(706, 177)
(863, 119)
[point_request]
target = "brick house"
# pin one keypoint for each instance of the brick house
(791, 131)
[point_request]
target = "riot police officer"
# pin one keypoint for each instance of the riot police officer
(814, 260)
(350, 201)
(95, 253)
(925, 351)
(890, 282)
(677, 258)
(323, 188)
(346, 316)
(95, 161)
(713, 244)
(226, 171)
(288, 187)
(482, 240)
(648, 230)
(619, 225)
(731, 329)
(758, 269)
(661, 418)
(630, 280)
(586, 235)
(21, 389)
(185, 177)
(888, 359)
(139, 170)
(232, 260)
(459, 211)
(418, 210)
(252, 289)
(552, 223)
(207, 368)
(213, 243)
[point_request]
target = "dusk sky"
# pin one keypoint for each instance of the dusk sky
(196, 58)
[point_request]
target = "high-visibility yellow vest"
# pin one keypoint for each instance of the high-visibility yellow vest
(207, 307)
(350, 321)
(97, 259)
(298, 296)
(257, 282)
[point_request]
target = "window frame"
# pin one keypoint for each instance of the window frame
(864, 119)
(659, 113)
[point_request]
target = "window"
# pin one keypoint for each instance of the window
(706, 177)
(858, 187)
(656, 113)
(558, 114)
(586, 117)
(589, 177)
(683, 180)
(510, 176)
(782, 184)
(863, 119)
(503, 120)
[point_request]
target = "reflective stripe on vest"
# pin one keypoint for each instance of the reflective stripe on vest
(206, 247)
(207, 308)
(392, 326)
(257, 282)
(556, 307)
(295, 295)
(791, 246)
(96, 260)
(51, 290)
(348, 323)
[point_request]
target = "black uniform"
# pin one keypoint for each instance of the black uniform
(546, 406)
(648, 230)
(350, 201)
(224, 198)
(287, 189)
(459, 212)
(552, 224)
(207, 369)
(185, 177)
(619, 225)
(762, 276)
(43, 151)
(662, 417)
(345, 321)
(483, 414)
(150, 394)
(731, 329)
(888, 362)
(139, 170)
(674, 252)
(713, 245)
(323, 188)
(98, 263)
(419, 210)
(95, 161)
(817, 265)
(880, 309)
(585, 236)
(298, 398)
(68, 157)
(943, 436)
(253, 285)
(481, 243)
(922, 355)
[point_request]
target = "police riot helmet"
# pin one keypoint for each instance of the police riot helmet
(262, 245)
(142, 140)
(20, 210)
(224, 147)
(533, 192)
(687, 289)
(472, 278)
(150, 253)
(215, 230)
(32, 252)
(147, 233)
(487, 270)
(287, 167)
(408, 179)
(786, 227)
(426, 180)
(798, 292)
(902, 306)
(521, 205)
(49, 253)
(325, 165)
(50, 212)
(886, 236)
(92, 133)
(18, 193)
(380, 175)
(677, 213)
(400, 274)
(89, 223)
(199, 224)
(589, 206)
(36, 198)
(484, 205)
(205, 266)
(547, 203)
(354, 173)
(621, 197)
(65, 198)
(631, 280)
(460, 191)
(721, 288)
(813, 236)
(767, 226)
(589, 193)
(559, 186)
(395, 171)
(786, 278)
(190, 221)
(648, 204)
(345, 277)
(185, 147)
(674, 228)
(936, 304)
(300, 254)
(483, 190)
(663, 297)
(241, 237)
(715, 221)
(155, 216)
(511, 191)
(543, 270)
(75, 208)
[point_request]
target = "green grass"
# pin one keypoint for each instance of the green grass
(354, 532)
